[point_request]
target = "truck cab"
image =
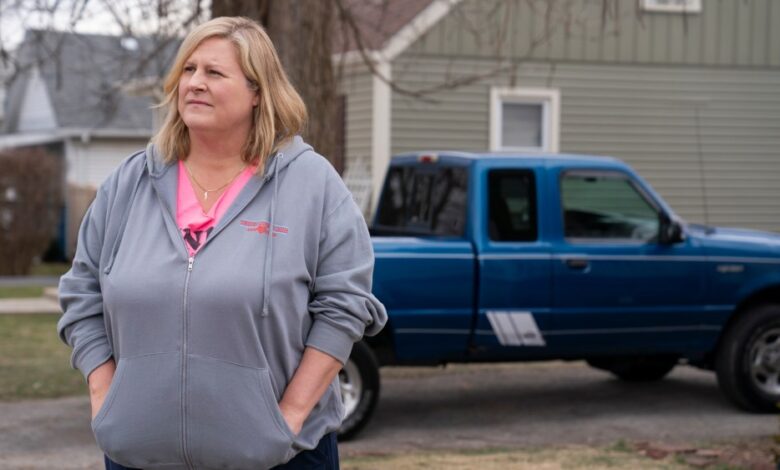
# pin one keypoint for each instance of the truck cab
(485, 257)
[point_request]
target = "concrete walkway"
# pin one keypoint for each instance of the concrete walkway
(46, 304)
(28, 306)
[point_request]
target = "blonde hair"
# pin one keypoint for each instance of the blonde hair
(280, 113)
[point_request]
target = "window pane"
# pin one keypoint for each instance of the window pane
(420, 201)
(512, 205)
(606, 207)
(521, 125)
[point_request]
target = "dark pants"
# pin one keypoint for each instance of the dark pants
(323, 457)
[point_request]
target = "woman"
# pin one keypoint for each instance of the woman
(221, 276)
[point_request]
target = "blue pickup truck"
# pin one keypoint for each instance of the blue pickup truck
(486, 258)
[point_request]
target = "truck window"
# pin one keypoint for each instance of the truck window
(606, 206)
(429, 200)
(511, 205)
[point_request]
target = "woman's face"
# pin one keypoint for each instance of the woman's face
(214, 94)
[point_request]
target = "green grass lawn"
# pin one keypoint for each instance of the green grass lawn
(19, 292)
(34, 363)
(49, 269)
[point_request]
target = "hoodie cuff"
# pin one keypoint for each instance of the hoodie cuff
(330, 340)
(88, 357)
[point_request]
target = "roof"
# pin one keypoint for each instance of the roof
(377, 20)
(85, 76)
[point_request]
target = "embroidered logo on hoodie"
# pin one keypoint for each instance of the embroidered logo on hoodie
(262, 227)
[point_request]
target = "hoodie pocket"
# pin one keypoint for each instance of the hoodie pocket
(139, 423)
(233, 420)
(112, 388)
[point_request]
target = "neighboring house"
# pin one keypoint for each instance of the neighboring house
(83, 97)
(686, 91)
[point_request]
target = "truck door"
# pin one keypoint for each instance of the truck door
(615, 288)
(514, 267)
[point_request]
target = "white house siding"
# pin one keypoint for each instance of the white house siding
(90, 163)
(698, 115)
(356, 86)
(37, 112)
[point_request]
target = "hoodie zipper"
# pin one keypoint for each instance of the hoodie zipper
(185, 452)
(190, 262)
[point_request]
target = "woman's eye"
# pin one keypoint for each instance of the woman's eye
(189, 68)
(214, 72)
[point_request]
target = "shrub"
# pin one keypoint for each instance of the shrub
(30, 206)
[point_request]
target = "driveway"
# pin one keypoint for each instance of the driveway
(457, 407)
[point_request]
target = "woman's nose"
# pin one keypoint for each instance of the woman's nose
(196, 82)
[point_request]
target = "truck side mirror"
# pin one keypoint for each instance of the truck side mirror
(669, 231)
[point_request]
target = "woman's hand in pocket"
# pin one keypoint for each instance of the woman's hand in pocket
(293, 417)
(99, 381)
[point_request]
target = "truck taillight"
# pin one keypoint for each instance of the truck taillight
(428, 158)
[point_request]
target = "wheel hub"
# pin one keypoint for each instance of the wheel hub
(351, 387)
(771, 360)
(765, 363)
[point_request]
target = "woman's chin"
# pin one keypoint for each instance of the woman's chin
(201, 125)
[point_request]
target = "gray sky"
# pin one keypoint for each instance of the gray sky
(97, 17)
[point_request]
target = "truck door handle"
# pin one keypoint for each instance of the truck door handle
(577, 263)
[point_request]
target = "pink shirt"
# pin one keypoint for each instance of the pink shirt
(194, 224)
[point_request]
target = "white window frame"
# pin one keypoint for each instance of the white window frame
(549, 98)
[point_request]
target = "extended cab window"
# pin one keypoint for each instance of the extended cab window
(606, 205)
(511, 205)
(423, 200)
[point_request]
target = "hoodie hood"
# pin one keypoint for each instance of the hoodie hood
(290, 150)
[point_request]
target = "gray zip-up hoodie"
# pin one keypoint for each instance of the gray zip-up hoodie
(206, 345)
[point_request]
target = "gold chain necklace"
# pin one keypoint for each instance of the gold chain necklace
(207, 191)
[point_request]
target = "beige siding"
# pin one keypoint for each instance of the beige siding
(357, 86)
(725, 33)
(707, 138)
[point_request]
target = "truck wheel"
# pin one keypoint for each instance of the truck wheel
(359, 380)
(636, 369)
(748, 362)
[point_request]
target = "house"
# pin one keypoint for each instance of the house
(86, 98)
(686, 91)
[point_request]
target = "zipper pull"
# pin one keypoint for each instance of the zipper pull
(189, 266)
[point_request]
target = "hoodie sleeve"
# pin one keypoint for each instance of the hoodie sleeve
(343, 307)
(81, 326)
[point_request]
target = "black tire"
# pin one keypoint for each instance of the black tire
(367, 369)
(636, 368)
(748, 360)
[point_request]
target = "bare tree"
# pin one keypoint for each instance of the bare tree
(304, 32)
